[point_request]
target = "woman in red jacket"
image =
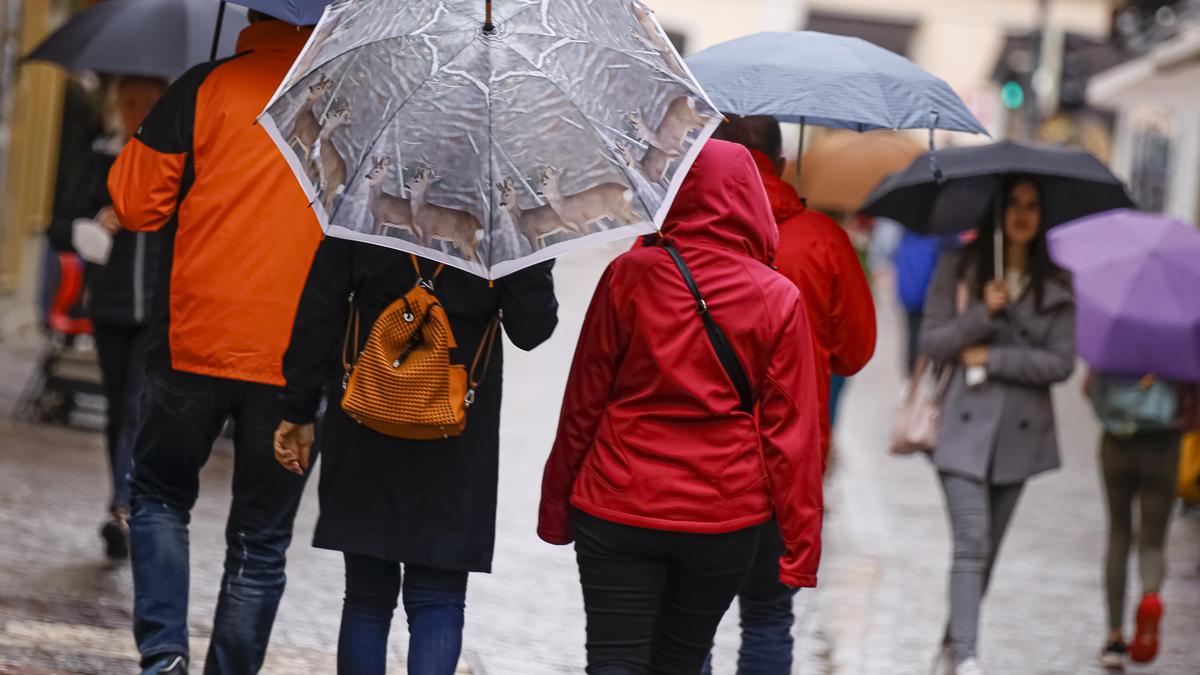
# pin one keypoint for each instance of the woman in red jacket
(658, 474)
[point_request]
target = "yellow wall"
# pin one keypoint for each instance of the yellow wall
(29, 191)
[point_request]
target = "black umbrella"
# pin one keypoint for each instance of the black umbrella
(156, 38)
(1074, 184)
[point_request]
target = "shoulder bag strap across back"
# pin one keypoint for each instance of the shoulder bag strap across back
(728, 357)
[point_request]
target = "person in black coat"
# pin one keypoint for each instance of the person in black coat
(430, 505)
(118, 293)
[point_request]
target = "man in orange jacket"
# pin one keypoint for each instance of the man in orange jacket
(816, 255)
(242, 237)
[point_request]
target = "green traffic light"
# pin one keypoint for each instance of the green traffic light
(1012, 95)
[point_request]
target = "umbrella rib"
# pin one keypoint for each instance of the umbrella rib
(649, 211)
(644, 62)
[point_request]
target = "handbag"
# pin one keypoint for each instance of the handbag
(917, 422)
(1126, 406)
(402, 383)
(728, 358)
(1189, 468)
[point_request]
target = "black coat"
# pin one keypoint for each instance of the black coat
(430, 503)
(121, 291)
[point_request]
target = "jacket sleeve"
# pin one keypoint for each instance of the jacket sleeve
(85, 197)
(1039, 366)
(944, 332)
(852, 310)
(791, 447)
(593, 371)
(148, 176)
(529, 306)
(318, 329)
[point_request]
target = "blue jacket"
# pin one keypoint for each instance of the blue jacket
(915, 259)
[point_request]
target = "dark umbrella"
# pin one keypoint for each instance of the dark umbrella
(155, 38)
(295, 12)
(1074, 184)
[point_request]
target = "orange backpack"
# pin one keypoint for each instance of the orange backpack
(402, 383)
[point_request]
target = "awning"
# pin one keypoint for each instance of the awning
(1168, 75)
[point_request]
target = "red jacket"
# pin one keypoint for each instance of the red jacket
(650, 433)
(816, 254)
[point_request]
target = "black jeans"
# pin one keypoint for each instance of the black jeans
(654, 598)
(434, 601)
(122, 355)
(182, 416)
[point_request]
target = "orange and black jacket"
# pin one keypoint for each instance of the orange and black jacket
(243, 234)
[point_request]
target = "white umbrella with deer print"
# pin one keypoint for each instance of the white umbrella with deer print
(490, 143)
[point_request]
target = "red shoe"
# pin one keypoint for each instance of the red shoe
(1145, 643)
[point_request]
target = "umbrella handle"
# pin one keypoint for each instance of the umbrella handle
(216, 43)
(488, 26)
(937, 170)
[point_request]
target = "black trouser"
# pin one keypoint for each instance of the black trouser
(122, 354)
(654, 598)
(182, 416)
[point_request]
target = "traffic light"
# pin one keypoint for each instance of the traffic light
(1012, 95)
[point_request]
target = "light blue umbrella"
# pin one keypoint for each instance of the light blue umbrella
(827, 80)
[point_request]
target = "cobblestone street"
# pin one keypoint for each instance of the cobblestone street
(879, 609)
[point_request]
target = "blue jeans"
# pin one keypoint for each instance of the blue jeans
(766, 612)
(182, 416)
(434, 601)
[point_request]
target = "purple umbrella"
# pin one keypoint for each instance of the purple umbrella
(1137, 281)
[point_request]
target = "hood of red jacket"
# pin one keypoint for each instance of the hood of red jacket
(785, 203)
(722, 202)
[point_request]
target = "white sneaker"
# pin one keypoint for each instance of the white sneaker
(944, 664)
(969, 667)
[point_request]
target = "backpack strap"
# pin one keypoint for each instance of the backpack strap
(483, 358)
(725, 353)
(421, 280)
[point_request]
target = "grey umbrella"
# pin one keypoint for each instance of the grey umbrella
(828, 81)
(156, 38)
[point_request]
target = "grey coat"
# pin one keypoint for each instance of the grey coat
(1002, 431)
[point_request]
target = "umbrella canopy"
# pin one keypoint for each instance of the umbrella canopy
(1137, 279)
(828, 81)
(153, 38)
(1073, 183)
(411, 126)
(839, 170)
(296, 12)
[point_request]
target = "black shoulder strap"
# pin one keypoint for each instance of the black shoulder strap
(728, 357)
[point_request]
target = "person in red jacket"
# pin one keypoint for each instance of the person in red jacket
(815, 254)
(658, 474)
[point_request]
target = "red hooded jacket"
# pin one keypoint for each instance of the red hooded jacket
(816, 254)
(651, 434)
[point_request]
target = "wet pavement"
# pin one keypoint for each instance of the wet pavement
(879, 609)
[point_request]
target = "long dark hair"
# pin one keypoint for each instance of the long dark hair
(979, 255)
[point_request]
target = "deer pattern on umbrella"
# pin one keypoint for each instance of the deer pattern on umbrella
(407, 127)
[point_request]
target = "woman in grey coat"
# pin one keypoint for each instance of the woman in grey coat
(1015, 337)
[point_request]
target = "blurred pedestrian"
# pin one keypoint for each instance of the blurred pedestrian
(816, 255)
(657, 473)
(243, 237)
(118, 293)
(1143, 421)
(1019, 327)
(411, 515)
(914, 260)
